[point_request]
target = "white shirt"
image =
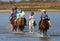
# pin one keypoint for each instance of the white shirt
(22, 14)
(30, 17)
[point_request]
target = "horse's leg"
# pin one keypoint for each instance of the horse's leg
(15, 25)
(22, 28)
(45, 32)
(41, 33)
(18, 28)
(29, 28)
(32, 28)
(24, 21)
(13, 28)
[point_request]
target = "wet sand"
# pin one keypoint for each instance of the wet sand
(3, 11)
(48, 10)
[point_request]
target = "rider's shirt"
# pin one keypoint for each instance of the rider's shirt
(31, 17)
(17, 15)
(14, 13)
(22, 14)
(44, 16)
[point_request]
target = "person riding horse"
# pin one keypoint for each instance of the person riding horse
(13, 13)
(21, 21)
(23, 15)
(32, 17)
(44, 23)
(15, 16)
(31, 22)
(44, 15)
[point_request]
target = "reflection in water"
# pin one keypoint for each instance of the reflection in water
(45, 38)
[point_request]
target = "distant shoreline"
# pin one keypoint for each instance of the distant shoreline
(3, 11)
(48, 10)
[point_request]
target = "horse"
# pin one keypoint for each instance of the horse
(13, 23)
(21, 23)
(44, 26)
(31, 24)
(18, 24)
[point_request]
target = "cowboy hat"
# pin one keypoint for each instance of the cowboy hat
(43, 10)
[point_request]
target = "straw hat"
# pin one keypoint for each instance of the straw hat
(43, 10)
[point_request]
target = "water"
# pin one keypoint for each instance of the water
(53, 33)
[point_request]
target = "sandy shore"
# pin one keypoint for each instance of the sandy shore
(48, 10)
(3, 11)
(51, 10)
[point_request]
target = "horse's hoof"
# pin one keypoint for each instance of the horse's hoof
(31, 32)
(41, 35)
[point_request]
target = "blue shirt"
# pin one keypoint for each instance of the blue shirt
(44, 16)
(17, 15)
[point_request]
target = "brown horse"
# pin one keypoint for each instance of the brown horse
(13, 23)
(18, 24)
(21, 23)
(44, 26)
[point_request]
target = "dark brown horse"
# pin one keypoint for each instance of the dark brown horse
(18, 24)
(44, 26)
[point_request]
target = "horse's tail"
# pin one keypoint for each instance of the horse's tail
(25, 20)
(35, 23)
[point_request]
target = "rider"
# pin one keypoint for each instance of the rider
(44, 15)
(22, 15)
(18, 14)
(13, 13)
(32, 15)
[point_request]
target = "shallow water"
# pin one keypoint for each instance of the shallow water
(53, 33)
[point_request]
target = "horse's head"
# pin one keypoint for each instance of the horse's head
(44, 23)
(47, 22)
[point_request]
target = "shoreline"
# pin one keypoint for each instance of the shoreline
(48, 10)
(3, 11)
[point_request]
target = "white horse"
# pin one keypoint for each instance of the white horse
(31, 25)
